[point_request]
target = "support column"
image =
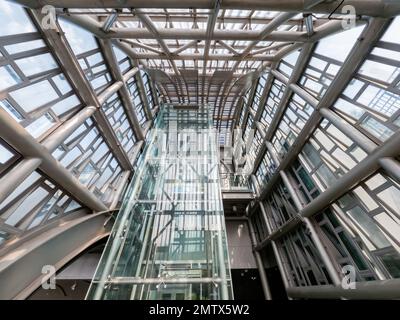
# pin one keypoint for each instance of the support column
(278, 257)
(58, 45)
(356, 57)
(15, 135)
(360, 172)
(259, 262)
(124, 92)
(302, 61)
(331, 266)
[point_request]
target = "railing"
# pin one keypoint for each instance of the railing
(235, 182)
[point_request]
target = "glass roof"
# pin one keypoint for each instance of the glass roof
(197, 47)
(311, 102)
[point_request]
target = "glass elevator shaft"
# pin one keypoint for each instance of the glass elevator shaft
(169, 239)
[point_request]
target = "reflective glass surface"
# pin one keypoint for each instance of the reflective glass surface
(169, 237)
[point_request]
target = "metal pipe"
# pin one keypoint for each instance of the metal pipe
(16, 135)
(271, 47)
(124, 92)
(326, 258)
(133, 43)
(230, 48)
(260, 265)
(118, 191)
(129, 74)
(349, 130)
(67, 128)
(358, 173)
(132, 280)
(10, 181)
(108, 23)
(275, 248)
(371, 290)
(303, 94)
(109, 91)
(363, 7)
(308, 19)
(391, 166)
(199, 34)
(142, 92)
(201, 57)
(177, 17)
(186, 46)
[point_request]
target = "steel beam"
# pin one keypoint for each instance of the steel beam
(182, 17)
(124, 92)
(201, 57)
(232, 50)
(12, 179)
(361, 49)
(16, 135)
(278, 257)
(142, 92)
(59, 47)
(149, 281)
(360, 172)
(327, 259)
(199, 34)
(302, 61)
(276, 22)
(185, 46)
(260, 265)
(200, 45)
(383, 8)
(368, 290)
(56, 244)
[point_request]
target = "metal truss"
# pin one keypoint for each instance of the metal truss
(72, 127)
(280, 184)
(326, 130)
(196, 47)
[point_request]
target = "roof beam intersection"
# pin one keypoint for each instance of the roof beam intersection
(145, 19)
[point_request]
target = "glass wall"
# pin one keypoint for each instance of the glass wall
(38, 95)
(361, 228)
(169, 239)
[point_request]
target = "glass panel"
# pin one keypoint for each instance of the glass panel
(169, 236)
(14, 20)
(36, 64)
(79, 39)
(327, 60)
(41, 125)
(35, 95)
(376, 128)
(8, 77)
(11, 110)
(5, 155)
(25, 46)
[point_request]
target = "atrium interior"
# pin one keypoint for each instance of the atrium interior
(199, 150)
